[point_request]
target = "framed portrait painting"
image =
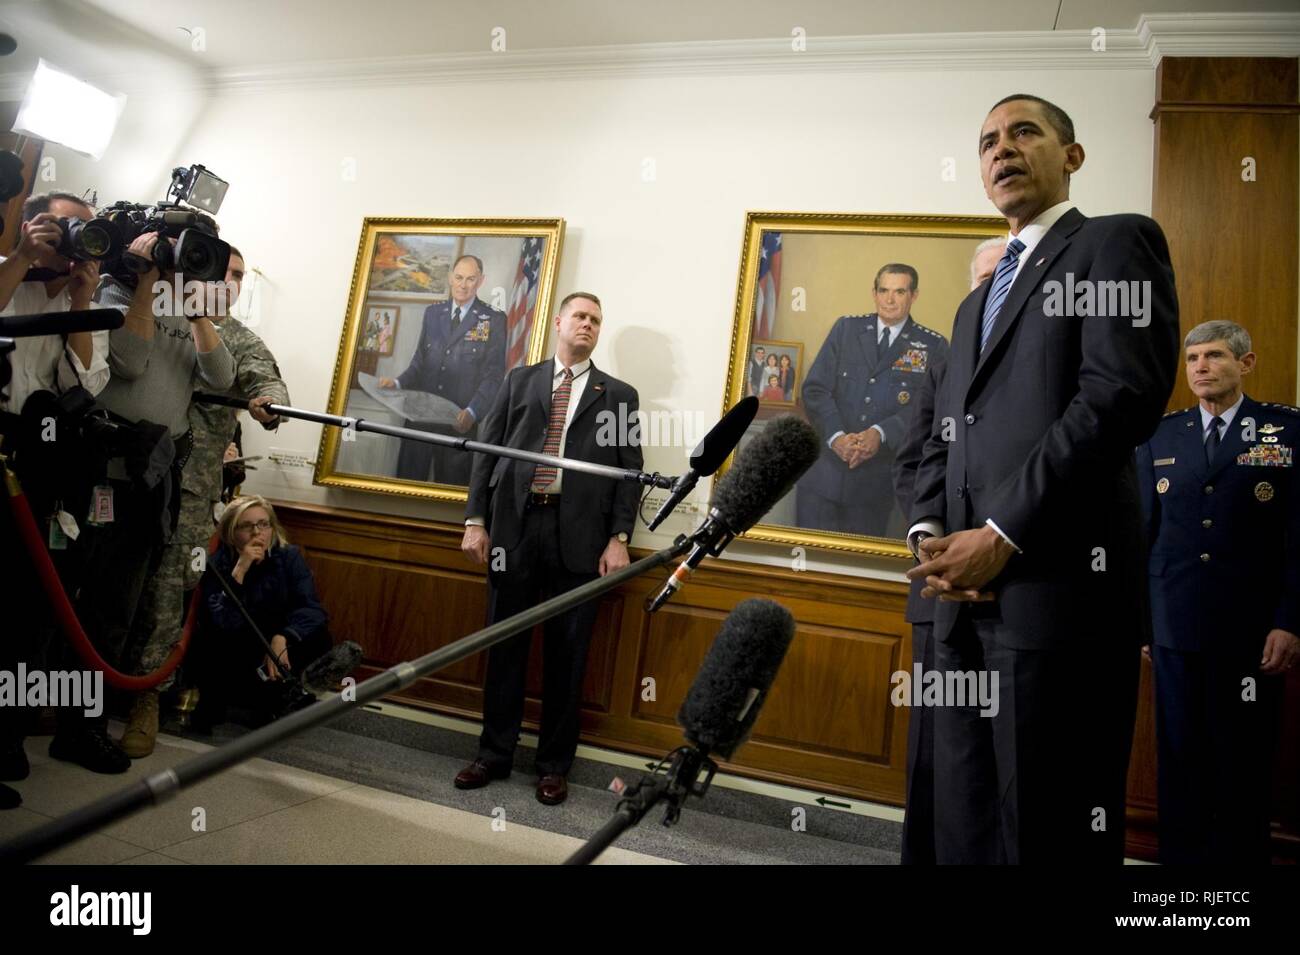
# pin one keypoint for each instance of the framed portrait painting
(438, 312)
(838, 319)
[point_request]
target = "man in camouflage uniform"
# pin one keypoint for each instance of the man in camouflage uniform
(258, 377)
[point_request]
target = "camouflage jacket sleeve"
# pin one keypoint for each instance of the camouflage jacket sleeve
(256, 372)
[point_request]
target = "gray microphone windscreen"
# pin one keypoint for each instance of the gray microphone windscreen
(734, 679)
(764, 471)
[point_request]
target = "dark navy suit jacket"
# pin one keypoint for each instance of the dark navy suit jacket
(465, 366)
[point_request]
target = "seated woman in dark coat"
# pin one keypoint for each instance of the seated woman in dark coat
(271, 579)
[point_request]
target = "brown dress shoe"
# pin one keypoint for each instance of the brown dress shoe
(478, 774)
(552, 789)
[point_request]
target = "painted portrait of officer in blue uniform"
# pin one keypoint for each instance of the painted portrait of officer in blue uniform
(460, 356)
(858, 394)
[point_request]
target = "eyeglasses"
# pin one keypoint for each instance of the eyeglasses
(253, 526)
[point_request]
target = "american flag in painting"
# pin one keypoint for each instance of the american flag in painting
(769, 285)
(523, 301)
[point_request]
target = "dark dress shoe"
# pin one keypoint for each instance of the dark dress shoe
(90, 749)
(478, 774)
(552, 789)
(13, 763)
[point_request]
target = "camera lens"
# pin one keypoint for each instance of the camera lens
(94, 242)
(196, 260)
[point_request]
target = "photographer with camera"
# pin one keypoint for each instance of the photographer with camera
(50, 270)
(167, 349)
(45, 274)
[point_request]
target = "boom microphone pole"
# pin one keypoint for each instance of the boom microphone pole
(164, 785)
(447, 441)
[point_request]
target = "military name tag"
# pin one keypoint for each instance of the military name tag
(1162, 462)
(912, 360)
(1162, 485)
(1267, 456)
(1263, 491)
(480, 332)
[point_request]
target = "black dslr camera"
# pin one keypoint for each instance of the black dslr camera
(197, 254)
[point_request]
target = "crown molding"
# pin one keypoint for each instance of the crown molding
(1154, 37)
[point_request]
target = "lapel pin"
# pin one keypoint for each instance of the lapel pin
(1040, 262)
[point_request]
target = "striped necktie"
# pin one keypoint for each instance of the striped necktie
(1001, 287)
(544, 476)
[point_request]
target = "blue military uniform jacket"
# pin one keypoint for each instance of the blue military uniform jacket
(1225, 537)
(465, 366)
(852, 386)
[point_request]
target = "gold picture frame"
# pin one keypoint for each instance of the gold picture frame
(826, 271)
(408, 264)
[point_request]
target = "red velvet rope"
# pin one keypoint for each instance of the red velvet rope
(67, 617)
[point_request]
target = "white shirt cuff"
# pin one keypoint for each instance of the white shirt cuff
(990, 523)
(928, 526)
(830, 442)
(876, 427)
(475, 522)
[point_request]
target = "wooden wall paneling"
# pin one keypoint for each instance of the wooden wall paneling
(402, 588)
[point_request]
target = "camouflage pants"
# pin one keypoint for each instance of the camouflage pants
(160, 613)
(194, 530)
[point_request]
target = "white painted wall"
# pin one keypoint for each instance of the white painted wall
(662, 253)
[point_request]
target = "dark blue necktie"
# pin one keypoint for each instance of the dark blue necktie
(1002, 278)
(1212, 439)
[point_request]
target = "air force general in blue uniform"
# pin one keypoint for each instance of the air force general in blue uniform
(461, 358)
(859, 381)
(1221, 496)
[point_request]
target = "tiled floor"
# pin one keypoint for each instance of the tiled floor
(266, 812)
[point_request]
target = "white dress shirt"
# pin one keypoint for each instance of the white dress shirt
(576, 389)
(41, 362)
(1227, 417)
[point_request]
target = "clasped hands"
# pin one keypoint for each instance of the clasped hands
(957, 566)
(853, 449)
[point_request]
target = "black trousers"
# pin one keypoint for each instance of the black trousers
(450, 466)
(918, 819)
(534, 572)
(1216, 748)
(1043, 779)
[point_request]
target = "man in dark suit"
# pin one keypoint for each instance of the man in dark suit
(918, 821)
(1026, 512)
(857, 395)
(461, 356)
(757, 369)
(1222, 498)
(543, 532)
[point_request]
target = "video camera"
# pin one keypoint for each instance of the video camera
(197, 253)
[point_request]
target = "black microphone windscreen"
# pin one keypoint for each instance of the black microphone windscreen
(733, 681)
(723, 438)
(765, 470)
(7, 44)
(323, 674)
(62, 323)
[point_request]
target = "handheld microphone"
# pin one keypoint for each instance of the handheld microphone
(61, 323)
(709, 454)
(733, 681)
(764, 471)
